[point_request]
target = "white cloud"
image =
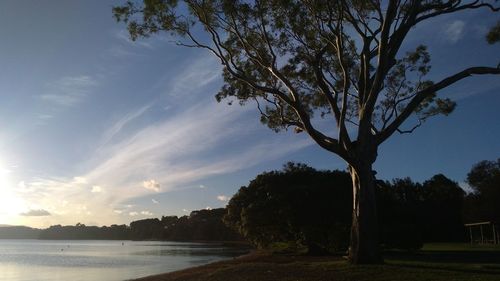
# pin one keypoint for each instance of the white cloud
(151, 185)
(133, 214)
(222, 198)
(454, 31)
(96, 189)
(80, 180)
(185, 210)
(70, 90)
(202, 186)
(208, 208)
(155, 201)
(118, 211)
(146, 213)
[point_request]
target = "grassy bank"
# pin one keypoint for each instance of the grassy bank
(447, 262)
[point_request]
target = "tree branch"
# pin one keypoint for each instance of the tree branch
(422, 95)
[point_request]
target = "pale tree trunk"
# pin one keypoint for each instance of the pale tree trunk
(364, 247)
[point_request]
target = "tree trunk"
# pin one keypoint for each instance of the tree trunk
(364, 247)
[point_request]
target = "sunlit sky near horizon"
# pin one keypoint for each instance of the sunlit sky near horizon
(98, 129)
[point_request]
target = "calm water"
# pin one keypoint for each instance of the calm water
(40, 260)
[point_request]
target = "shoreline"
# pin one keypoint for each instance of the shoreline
(264, 266)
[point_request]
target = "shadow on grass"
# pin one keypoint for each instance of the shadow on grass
(461, 261)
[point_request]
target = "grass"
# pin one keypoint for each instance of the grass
(447, 262)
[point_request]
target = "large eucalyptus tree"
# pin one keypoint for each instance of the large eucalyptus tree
(341, 60)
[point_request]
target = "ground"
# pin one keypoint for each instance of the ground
(449, 262)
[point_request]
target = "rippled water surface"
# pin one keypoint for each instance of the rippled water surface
(41, 260)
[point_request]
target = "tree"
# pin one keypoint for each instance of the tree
(484, 179)
(337, 59)
(442, 224)
(289, 206)
(400, 211)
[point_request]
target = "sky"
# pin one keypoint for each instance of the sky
(98, 129)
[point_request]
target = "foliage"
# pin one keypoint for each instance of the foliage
(298, 205)
(295, 206)
(296, 59)
(412, 213)
(482, 203)
(400, 209)
(81, 231)
(443, 210)
(494, 34)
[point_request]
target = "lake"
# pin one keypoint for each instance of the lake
(91, 260)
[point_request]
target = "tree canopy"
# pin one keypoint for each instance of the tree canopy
(484, 179)
(297, 59)
(298, 206)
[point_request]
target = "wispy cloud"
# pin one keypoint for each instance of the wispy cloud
(454, 31)
(122, 123)
(70, 90)
(124, 36)
(202, 139)
(125, 47)
(155, 201)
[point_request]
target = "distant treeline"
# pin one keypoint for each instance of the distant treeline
(19, 232)
(202, 225)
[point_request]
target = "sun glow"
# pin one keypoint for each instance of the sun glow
(11, 205)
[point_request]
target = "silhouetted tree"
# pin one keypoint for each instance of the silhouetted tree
(400, 214)
(442, 210)
(146, 229)
(300, 58)
(201, 225)
(294, 206)
(484, 202)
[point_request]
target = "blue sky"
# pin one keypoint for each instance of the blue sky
(99, 129)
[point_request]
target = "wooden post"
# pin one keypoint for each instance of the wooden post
(482, 237)
(496, 239)
(470, 231)
(494, 236)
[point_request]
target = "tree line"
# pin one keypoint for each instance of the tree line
(201, 225)
(303, 208)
